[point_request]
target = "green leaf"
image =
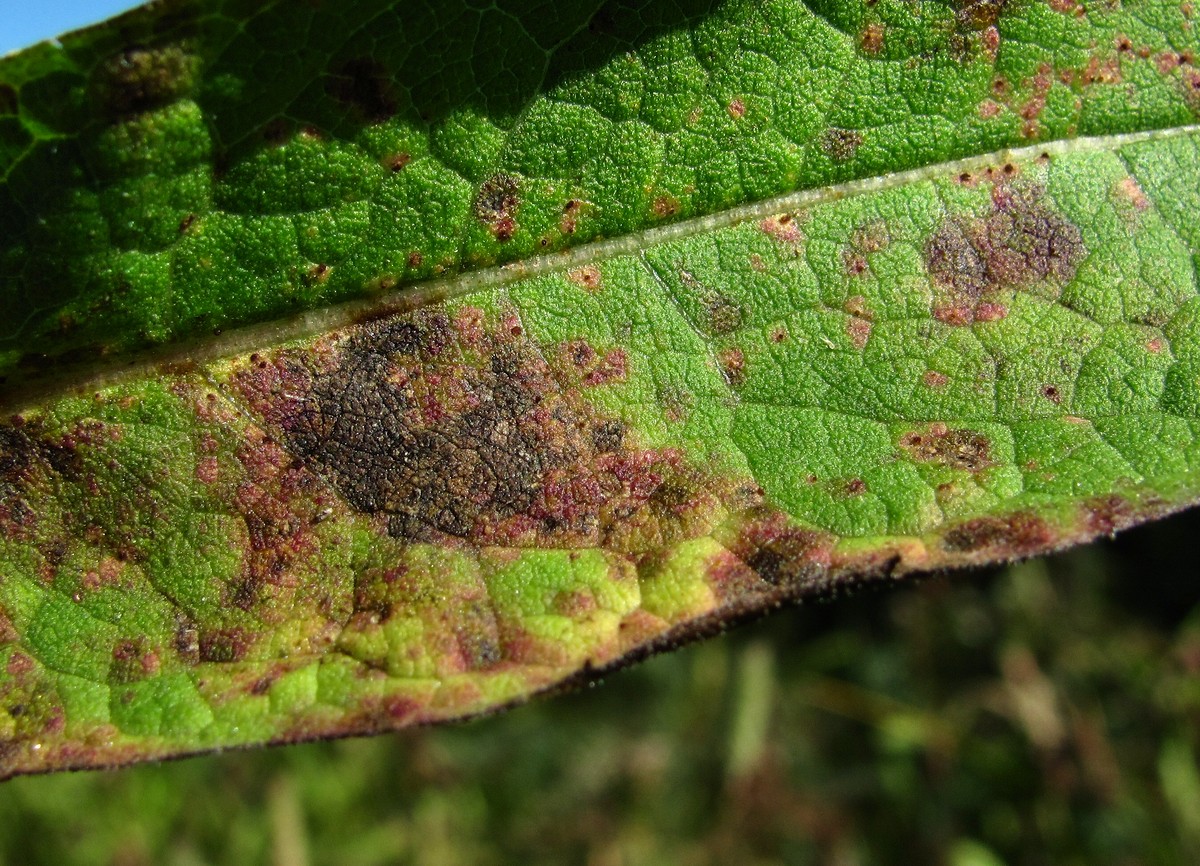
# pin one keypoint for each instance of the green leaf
(369, 368)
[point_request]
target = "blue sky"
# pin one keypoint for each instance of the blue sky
(23, 22)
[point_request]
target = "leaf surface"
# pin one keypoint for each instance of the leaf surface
(370, 368)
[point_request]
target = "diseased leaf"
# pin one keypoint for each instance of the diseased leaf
(681, 402)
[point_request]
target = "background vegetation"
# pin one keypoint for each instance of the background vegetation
(1048, 713)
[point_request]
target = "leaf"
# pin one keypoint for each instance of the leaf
(369, 368)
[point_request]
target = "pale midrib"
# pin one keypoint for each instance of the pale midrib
(238, 341)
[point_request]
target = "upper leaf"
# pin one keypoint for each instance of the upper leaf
(440, 501)
(309, 153)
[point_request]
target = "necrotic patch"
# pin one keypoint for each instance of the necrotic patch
(1021, 243)
(474, 434)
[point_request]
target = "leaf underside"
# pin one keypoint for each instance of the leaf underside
(454, 482)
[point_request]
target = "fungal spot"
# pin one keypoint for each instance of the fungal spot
(466, 429)
(859, 331)
(989, 108)
(608, 436)
(132, 660)
(871, 39)
(1051, 393)
(732, 362)
(723, 315)
(365, 86)
(317, 274)
(139, 79)
(946, 446)
(783, 228)
(1022, 243)
(780, 553)
(665, 206)
(568, 223)
(1130, 192)
(841, 145)
(1019, 534)
(855, 487)
(415, 260)
(223, 645)
(736, 109)
(397, 161)
(979, 14)
(187, 222)
(1106, 515)
(586, 277)
(496, 205)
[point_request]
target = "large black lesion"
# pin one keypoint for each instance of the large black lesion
(480, 461)
(466, 430)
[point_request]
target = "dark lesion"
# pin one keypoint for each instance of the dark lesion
(465, 431)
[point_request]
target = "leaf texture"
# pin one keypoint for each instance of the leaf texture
(554, 335)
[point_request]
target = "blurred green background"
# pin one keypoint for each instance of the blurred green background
(1046, 713)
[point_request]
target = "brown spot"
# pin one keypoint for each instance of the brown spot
(1018, 534)
(415, 260)
(1050, 392)
(1130, 191)
(855, 263)
(1020, 244)
(496, 205)
(187, 222)
(757, 264)
(979, 14)
(859, 331)
(139, 79)
(665, 206)
(568, 223)
(1067, 7)
(366, 86)
(732, 362)
(958, 449)
(736, 109)
(1032, 109)
(782, 554)
(989, 312)
(855, 487)
(871, 39)
(223, 645)
(934, 379)
(317, 274)
(1107, 515)
(207, 470)
(1154, 346)
(586, 277)
(989, 108)
(723, 315)
(841, 145)
(783, 228)
(132, 660)
(779, 334)
(856, 305)
(397, 161)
